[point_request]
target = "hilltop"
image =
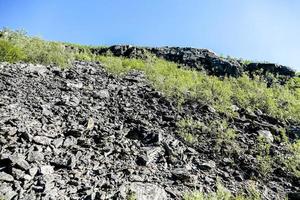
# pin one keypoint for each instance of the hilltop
(126, 122)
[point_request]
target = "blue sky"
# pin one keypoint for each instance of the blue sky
(262, 30)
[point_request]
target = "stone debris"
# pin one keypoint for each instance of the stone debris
(81, 133)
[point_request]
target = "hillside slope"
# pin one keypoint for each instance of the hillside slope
(83, 133)
(126, 122)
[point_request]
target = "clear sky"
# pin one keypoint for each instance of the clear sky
(261, 30)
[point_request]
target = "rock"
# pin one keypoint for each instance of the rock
(235, 108)
(7, 192)
(181, 174)
(270, 67)
(46, 110)
(27, 177)
(207, 165)
(58, 142)
(150, 154)
(36, 69)
(72, 101)
(6, 164)
(293, 132)
(267, 135)
(6, 177)
(70, 141)
(75, 85)
(33, 171)
(293, 195)
(17, 173)
(152, 138)
(35, 156)
(208, 180)
(147, 137)
(43, 140)
(46, 169)
(73, 132)
(238, 177)
(200, 59)
(143, 191)
(211, 109)
(90, 124)
(222, 67)
(142, 160)
(101, 94)
(18, 160)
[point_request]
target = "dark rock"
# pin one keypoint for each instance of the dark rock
(142, 160)
(60, 162)
(149, 155)
(181, 174)
(293, 132)
(270, 67)
(293, 195)
(6, 165)
(73, 132)
(147, 137)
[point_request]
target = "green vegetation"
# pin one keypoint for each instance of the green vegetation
(264, 159)
(131, 195)
(189, 129)
(223, 194)
(16, 46)
(292, 162)
(219, 130)
(9, 52)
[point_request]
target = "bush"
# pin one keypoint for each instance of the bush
(36, 50)
(10, 53)
(223, 194)
(292, 162)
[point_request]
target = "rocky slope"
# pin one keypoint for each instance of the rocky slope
(200, 59)
(82, 133)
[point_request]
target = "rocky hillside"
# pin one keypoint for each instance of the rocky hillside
(199, 59)
(125, 122)
(82, 133)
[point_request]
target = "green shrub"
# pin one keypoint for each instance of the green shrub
(36, 50)
(223, 194)
(292, 162)
(10, 53)
(264, 159)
